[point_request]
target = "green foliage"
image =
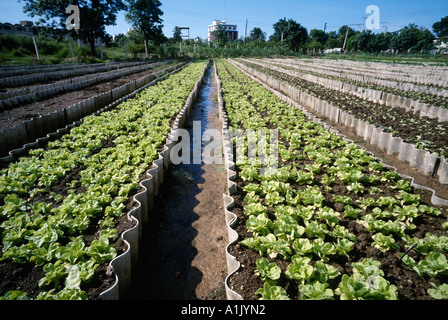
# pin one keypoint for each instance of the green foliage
(50, 234)
(298, 218)
(272, 292)
(434, 263)
(291, 32)
(145, 16)
(94, 15)
(366, 283)
(266, 270)
(440, 28)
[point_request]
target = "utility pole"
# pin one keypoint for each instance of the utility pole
(126, 47)
(36, 48)
(245, 33)
(385, 22)
(71, 47)
(345, 40)
(325, 27)
(282, 30)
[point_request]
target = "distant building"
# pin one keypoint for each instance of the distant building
(231, 30)
(334, 50)
(440, 46)
(25, 28)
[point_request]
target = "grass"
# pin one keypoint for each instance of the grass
(13, 57)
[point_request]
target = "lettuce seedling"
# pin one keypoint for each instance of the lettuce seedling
(429, 210)
(343, 199)
(366, 283)
(408, 198)
(439, 292)
(314, 229)
(274, 198)
(364, 203)
(324, 272)
(323, 249)
(302, 246)
(267, 271)
(255, 209)
(312, 196)
(299, 269)
(271, 292)
(329, 216)
(249, 173)
(315, 291)
(434, 264)
(356, 187)
(286, 228)
(259, 224)
(15, 295)
(384, 243)
(101, 251)
(350, 212)
(343, 246)
(251, 197)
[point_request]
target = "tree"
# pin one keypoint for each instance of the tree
(425, 40)
(440, 28)
(291, 32)
(177, 35)
(257, 34)
(221, 36)
(318, 39)
(95, 15)
(360, 41)
(333, 40)
(412, 38)
(380, 42)
(145, 16)
(119, 40)
(318, 35)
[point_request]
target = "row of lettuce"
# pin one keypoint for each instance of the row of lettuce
(423, 132)
(344, 76)
(303, 215)
(69, 231)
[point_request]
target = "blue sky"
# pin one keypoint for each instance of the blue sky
(312, 14)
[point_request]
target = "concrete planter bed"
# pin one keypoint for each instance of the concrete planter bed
(385, 131)
(149, 186)
(381, 91)
(54, 74)
(113, 280)
(11, 99)
(244, 282)
(16, 140)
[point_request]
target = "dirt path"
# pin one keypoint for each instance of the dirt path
(182, 254)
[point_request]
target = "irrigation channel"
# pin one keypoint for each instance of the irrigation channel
(182, 252)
